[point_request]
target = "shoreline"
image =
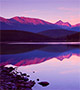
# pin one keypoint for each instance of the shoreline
(53, 43)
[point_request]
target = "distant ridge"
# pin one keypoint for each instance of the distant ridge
(67, 25)
(63, 23)
(76, 25)
(56, 33)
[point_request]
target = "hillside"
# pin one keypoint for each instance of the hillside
(62, 35)
(74, 37)
(56, 33)
(21, 36)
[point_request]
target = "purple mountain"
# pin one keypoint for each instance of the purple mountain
(68, 26)
(63, 23)
(26, 24)
(77, 25)
(23, 20)
(34, 25)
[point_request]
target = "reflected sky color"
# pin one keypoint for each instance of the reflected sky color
(63, 75)
(50, 10)
(57, 64)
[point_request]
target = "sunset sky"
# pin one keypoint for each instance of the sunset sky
(49, 10)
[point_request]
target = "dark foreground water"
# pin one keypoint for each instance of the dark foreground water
(59, 64)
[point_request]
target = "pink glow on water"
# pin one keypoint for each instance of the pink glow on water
(4, 63)
(36, 60)
(64, 56)
(61, 75)
(29, 62)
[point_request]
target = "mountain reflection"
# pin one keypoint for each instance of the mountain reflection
(33, 54)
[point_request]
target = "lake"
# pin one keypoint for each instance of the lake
(58, 63)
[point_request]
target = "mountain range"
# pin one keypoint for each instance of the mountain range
(37, 30)
(34, 25)
(26, 24)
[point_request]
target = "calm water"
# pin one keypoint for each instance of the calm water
(59, 64)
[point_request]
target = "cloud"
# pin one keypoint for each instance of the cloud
(29, 11)
(68, 9)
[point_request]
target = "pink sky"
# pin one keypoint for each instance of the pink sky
(49, 10)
